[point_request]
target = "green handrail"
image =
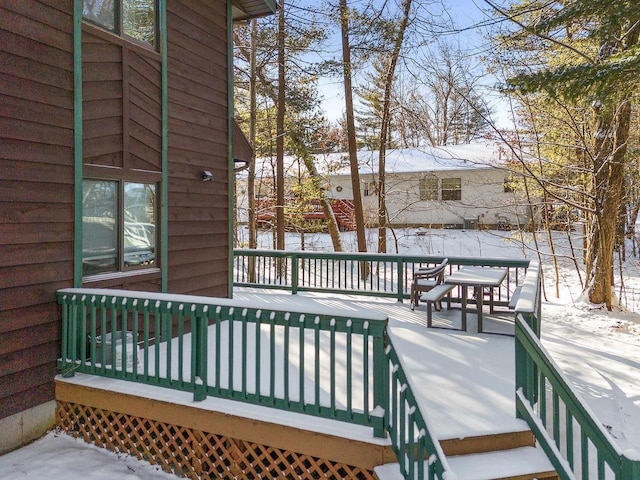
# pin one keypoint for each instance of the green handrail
(390, 275)
(412, 439)
(231, 349)
(564, 426)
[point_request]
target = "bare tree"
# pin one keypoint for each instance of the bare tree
(351, 127)
(384, 128)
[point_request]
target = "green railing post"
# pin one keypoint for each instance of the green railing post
(525, 371)
(199, 327)
(400, 265)
(629, 469)
(294, 273)
(380, 382)
(65, 366)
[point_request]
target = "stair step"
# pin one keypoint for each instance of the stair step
(522, 463)
(517, 463)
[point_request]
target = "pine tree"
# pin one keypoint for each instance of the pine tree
(591, 57)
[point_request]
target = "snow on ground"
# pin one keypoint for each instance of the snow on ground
(599, 351)
(58, 455)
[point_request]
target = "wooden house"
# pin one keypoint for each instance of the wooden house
(116, 159)
(455, 186)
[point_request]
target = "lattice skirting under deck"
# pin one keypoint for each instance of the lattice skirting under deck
(196, 454)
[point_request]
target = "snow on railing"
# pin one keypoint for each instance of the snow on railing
(298, 361)
(380, 274)
(420, 455)
(564, 426)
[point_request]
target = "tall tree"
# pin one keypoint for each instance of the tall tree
(592, 58)
(386, 121)
(300, 99)
(443, 100)
(351, 126)
(281, 109)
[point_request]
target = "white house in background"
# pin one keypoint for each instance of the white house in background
(456, 186)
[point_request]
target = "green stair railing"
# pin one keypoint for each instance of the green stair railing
(577, 444)
(419, 453)
(291, 360)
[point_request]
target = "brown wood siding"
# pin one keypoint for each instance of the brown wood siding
(198, 140)
(36, 194)
(122, 91)
(102, 84)
(145, 113)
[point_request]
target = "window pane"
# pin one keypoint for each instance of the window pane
(138, 20)
(451, 189)
(429, 188)
(99, 227)
(139, 224)
(101, 12)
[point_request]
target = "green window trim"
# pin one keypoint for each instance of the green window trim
(119, 226)
(78, 147)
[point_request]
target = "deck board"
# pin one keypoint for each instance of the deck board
(464, 381)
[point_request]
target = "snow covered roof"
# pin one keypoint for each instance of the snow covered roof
(425, 159)
(431, 159)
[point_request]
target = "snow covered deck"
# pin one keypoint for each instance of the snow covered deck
(465, 381)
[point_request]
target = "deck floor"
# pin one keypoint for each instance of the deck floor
(464, 381)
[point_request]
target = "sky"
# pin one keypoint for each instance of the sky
(597, 350)
(470, 19)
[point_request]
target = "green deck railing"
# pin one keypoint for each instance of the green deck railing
(574, 440)
(296, 361)
(419, 453)
(380, 274)
(253, 353)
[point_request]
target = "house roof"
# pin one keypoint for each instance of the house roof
(431, 159)
(246, 9)
(427, 159)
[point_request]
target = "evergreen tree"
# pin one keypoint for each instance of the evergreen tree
(586, 53)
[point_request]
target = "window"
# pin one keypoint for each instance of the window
(133, 19)
(369, 189)
(429, 188)
(119, 226)
(509, 184)
(451, 189)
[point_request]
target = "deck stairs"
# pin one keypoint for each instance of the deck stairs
(344, 212)
(496, 457)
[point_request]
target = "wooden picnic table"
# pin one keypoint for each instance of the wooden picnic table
(479, 278)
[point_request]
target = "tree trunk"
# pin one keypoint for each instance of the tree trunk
(610, 156)
(351, 131)
(251, 180)
(384, 128)
(280, 222)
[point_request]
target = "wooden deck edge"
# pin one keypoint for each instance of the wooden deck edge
(487, 443)
(552, 475)
(325, 446)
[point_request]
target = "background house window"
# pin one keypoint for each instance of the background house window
(134, 19)
(369, 189)
(451, 189)
(118, 226)
(509, 183)
(429, 188)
